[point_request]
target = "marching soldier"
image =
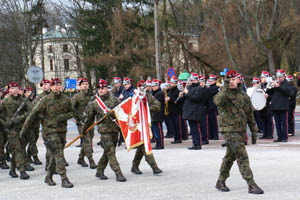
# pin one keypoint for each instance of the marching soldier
(154, 106)
(235, 112)
(55, 109)
(292, 105)
(108, 129)
(8, 107)
(45, 84)
(80, 102)
(29, 138)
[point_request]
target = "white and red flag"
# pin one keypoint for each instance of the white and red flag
(134, 119)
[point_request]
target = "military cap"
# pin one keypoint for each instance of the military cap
(231, 74)
(141, 83)
(194, 77)
(280, 72)
(289, 78)
(44, 81)
(81, 80)
(174, 79)
(55, 81)
(117, 80)
(127, 80)
(102, 83)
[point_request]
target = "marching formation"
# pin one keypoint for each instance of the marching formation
(195, 106)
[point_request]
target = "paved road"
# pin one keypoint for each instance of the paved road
(187, 174)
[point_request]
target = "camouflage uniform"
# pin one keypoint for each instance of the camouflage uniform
(29, 139)
(154, 106)
(235, 112)
(80, 102)
(109, 133)
(55, 109)
(8, 107)
(3, 141)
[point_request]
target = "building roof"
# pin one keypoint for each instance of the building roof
(54, 34)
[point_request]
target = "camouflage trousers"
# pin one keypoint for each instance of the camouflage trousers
(87, 143)
(235, 150)
(55, 144)
(17, 151)
(109, 143)
(29, 139)
(3, 141)
(140, 152)
(32, 149)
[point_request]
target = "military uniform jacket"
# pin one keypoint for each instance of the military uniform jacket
(9, 106)
(193, 106)
(80, 102)
(107, 125)
(212, 91)
(39, 97)
(173, 108)
(235, 110)
(159, 116)
(56, 109)
(293, 96)
(280, 97)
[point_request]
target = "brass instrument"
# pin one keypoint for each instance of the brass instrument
(166, 102)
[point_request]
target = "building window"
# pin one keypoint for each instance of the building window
(50, 50)
(66, 64)
(51, 65)
(65, 48)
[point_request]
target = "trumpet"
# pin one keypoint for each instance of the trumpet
(166, 102)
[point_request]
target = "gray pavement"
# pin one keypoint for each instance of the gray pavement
(187, 174)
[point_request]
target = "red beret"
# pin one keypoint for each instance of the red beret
(44, 81)
(102, 83)
(13, 84)
(231, 74)
(81, 80)
(55, 81)
(28, 89)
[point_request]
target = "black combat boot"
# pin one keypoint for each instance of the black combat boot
(156, 170)
(92, 163)
(28, 167)
(254, 189)
(82, 162)
(4, 165)
(65, 183)
(12, 173)
(30, 160)
(120, 177)
(24, 175)
(49, 180)
(136, 170)
(222, 186)
(36, 160)
(100, 174)
(7, 157)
